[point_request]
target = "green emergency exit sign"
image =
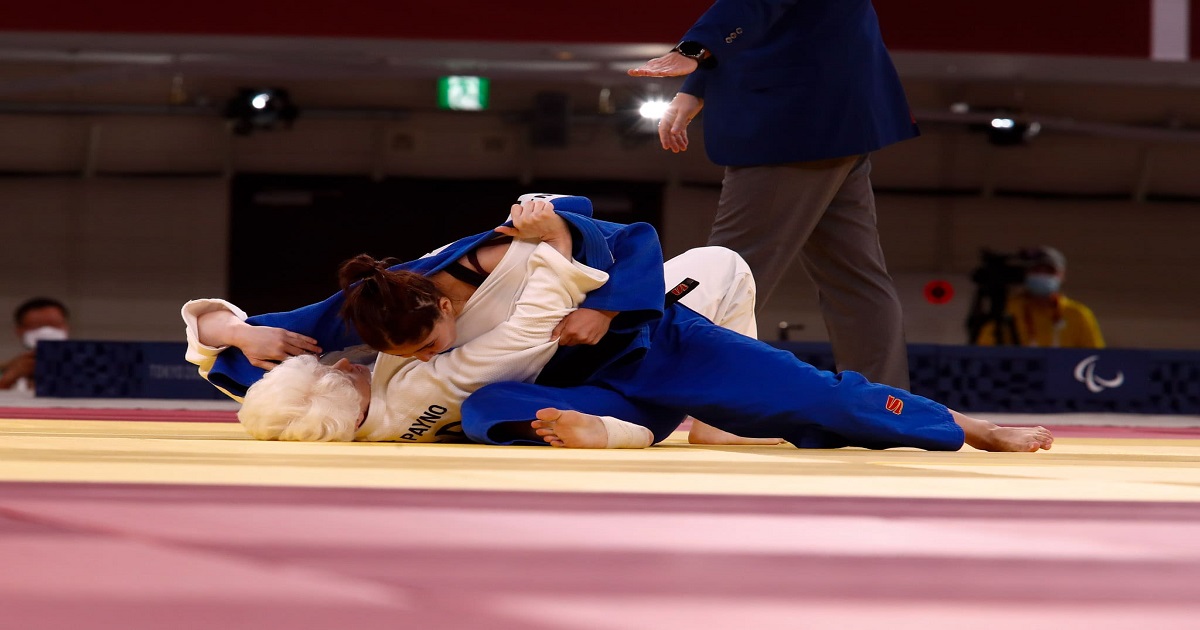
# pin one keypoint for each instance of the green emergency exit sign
(465, 93)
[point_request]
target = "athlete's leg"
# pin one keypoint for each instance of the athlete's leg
(502, 413)
(725, 295)
(748, 388)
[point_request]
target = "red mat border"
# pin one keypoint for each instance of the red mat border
(133, 415)
(592, 502)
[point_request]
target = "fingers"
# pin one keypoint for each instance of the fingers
(672, 129)
(664, 131)
(679, 133)
(539, 208)
(671, 64)
(533, 219)
(260, 363)
(653, 68)
(303, 344)
(673, 139)
(570, 338)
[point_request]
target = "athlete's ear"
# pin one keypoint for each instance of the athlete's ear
(446, 306)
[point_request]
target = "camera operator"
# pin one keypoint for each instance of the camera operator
(1039, 313)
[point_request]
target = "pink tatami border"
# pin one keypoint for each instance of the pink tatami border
(128, 415)
(599, 502)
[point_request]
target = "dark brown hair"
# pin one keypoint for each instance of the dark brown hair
(36, 303)
(387, 308)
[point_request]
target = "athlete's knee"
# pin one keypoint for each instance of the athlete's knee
(481, 409)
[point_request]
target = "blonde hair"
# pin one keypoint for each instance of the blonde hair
(304, 401)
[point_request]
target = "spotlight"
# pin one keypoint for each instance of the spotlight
(653, 109)
(1003, 129)
(261, 109)
(1007, 132)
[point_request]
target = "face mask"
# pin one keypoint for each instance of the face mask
(1042, 284)
(45, 333)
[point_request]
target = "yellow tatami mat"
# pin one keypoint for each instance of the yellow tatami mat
(220, 453)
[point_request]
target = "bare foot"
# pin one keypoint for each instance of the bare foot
(572, 429)
(986, 436)
(702, 433)
(1014, 439)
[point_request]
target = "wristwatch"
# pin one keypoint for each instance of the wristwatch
(697, 51)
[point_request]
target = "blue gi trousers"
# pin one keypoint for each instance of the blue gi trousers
(732, 382)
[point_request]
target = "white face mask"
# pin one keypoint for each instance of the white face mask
(1042, 284)
(45, 333)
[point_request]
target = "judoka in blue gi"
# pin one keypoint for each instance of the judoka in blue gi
(656, 365)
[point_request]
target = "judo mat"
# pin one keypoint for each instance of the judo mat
(172, 519)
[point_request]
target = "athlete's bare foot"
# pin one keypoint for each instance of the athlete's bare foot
(702, 433)
(572, 429)
(987, 436)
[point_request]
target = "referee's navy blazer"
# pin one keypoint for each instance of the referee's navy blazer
(796, 80)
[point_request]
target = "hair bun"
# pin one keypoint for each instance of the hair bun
(363, 267)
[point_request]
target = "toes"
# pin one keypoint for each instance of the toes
(549, 414)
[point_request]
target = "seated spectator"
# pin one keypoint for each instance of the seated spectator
(1040, 313)
(35, 320)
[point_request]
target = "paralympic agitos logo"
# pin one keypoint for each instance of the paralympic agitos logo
(1085, 372)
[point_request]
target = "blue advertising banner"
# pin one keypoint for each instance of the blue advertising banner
(1044, 380)
(1089, 375)
(118, 369)
(966, 378)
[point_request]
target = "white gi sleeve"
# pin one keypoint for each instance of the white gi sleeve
(726, 291)
(198, 353)
(412, 401)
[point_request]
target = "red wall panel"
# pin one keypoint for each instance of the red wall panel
(1075, 27)
(519, 20)
(1051, 27)
(1194, 26)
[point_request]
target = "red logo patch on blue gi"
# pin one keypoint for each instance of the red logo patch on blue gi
(895, 405)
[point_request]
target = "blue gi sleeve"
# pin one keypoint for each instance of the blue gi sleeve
(729, 27)
(632, 257)
(322, 321)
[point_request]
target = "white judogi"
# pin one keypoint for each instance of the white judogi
(504, 333)
(726, 290)
(506, 323)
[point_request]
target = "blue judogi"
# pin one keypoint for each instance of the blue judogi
(630, 254)
(732, 382)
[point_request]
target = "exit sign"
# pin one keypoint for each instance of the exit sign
(465, 93)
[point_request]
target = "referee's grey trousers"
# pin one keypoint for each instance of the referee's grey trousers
(823, 212)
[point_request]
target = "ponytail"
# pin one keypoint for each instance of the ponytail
(387, 307)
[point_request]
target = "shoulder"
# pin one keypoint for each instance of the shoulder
(1075, 307)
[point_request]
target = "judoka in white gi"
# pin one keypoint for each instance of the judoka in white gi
(678, 361)
(506, 325)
